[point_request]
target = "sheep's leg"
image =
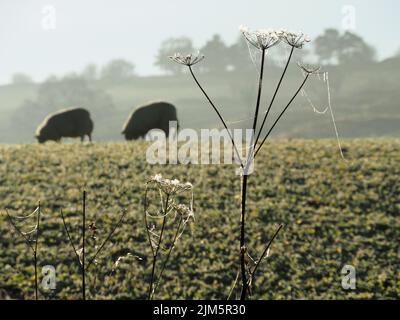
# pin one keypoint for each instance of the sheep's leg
(90, 137)
(82, 138)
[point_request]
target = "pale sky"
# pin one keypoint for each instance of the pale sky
(96, 31)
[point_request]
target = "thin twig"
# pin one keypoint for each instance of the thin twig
(83, 245)
(242, 238)
(155, 256)
(70, 239)
(168, 255)
(260, 84)
(265, 251)
(281, 114)
(35, 252)
(219, 116)
(146, 222)
(234, 285)
(274, 96)
(116, 226)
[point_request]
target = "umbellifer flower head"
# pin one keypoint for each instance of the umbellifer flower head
(262, 39)
(170, 187)
(294, 39)
(188, 59)
(309, 68)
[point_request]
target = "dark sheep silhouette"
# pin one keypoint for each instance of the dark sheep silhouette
(68, 123)
(156, 115)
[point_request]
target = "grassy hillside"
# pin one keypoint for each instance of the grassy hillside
(335, 213)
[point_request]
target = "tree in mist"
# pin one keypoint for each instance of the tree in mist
(354, 50)
(183, 45)
(217, 54)
(239, 56)
(21, 78)
(326, 46)
(90, 72)
(118, 70)
(348, 48)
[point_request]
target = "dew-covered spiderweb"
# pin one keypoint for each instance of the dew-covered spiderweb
(324, 77)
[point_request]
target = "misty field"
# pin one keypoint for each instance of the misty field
(335, 213)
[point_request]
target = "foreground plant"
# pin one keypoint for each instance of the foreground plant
(263, 40)
(31, 237)
(169, 214)
(81, 253)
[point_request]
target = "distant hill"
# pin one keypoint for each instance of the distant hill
(365, 102)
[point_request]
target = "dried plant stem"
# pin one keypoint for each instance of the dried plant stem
(264, 254)
(233, 285)
(281, 114)
(81, 260)
(36, 250)
(168, 255)
(116, 226)
(244, 185)
(157, 249)
(274, 96)
(219, 116)
(83, 271)
(260, 84)
(27, 241)
(242, 239)
(69, 238)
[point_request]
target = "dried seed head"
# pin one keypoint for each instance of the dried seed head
(187, 60)
(262, 39)
(310, 69)
(171, 187)
(294, 39)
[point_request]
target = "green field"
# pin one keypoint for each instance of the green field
(335, 213)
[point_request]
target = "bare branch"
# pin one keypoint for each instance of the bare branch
(265, 252)
(69, 238)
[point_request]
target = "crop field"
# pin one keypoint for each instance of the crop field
(335, 213)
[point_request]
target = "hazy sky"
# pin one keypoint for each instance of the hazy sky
(100, 30)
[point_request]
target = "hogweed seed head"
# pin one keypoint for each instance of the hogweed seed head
(294, 39)
(262, 39)
(171, 187)
(310, 69)
(188, 59)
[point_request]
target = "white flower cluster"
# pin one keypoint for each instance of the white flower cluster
(264, 39)
(188, 59)
(171, 187)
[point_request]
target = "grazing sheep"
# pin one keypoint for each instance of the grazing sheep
(156, 115)
(68, 123)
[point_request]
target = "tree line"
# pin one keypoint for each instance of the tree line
(330, 48)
